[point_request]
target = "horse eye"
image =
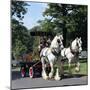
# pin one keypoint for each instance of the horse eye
(77, 44)
(80, 42)
(58, 40)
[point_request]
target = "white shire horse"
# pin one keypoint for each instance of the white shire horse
(50, 56)
(72, 53)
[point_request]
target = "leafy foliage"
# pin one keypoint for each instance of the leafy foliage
(19, 49)
(18, 9)
(71, 20)
(21, 39)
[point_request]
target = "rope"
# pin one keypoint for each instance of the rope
(35, 64)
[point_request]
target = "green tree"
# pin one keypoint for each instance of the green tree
(21, 39)
(67, 18)
(18, 9)
(18, 49)
(36, 41)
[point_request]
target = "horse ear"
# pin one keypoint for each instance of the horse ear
(80, 38)
(62, 37)
(76, 38)
(58, 34)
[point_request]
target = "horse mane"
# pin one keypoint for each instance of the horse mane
(74, 41)
(53, 41)
(73, 44)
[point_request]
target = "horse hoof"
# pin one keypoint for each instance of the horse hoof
(44, 75)
(45, 78)
(57, 78)
(50, 75)
(77, 69)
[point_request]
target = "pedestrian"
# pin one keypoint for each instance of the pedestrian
(48, 43)
(31, 72)
(23, 72)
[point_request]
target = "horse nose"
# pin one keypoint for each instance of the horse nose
(62, 46)
(80, 49)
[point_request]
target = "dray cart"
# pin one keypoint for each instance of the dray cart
(31, 69)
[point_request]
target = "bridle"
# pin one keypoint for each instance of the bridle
(74, 52)
(59, 50)
(60, 42)
(78, 45)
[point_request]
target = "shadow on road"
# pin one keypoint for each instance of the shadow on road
(16, 75)
(67, 75)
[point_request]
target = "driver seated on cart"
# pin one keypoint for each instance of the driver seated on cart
(44, 42)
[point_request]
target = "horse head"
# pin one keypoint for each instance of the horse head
(59, 39)
(77, 44)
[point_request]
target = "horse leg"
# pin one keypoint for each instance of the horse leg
(69, 63)
(77, 69)
(51, 73)
(62, 69)
(44, 75)
(57, 77)
(59, 70)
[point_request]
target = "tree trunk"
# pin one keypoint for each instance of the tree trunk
(64, 24)
(64, 36)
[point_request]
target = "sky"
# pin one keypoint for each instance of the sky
(34, 14)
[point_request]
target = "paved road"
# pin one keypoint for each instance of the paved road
(18, 82)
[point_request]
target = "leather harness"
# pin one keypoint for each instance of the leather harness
(54, 52)
(73, 52)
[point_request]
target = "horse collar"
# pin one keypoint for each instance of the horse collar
(73, 52)
(54, 52)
